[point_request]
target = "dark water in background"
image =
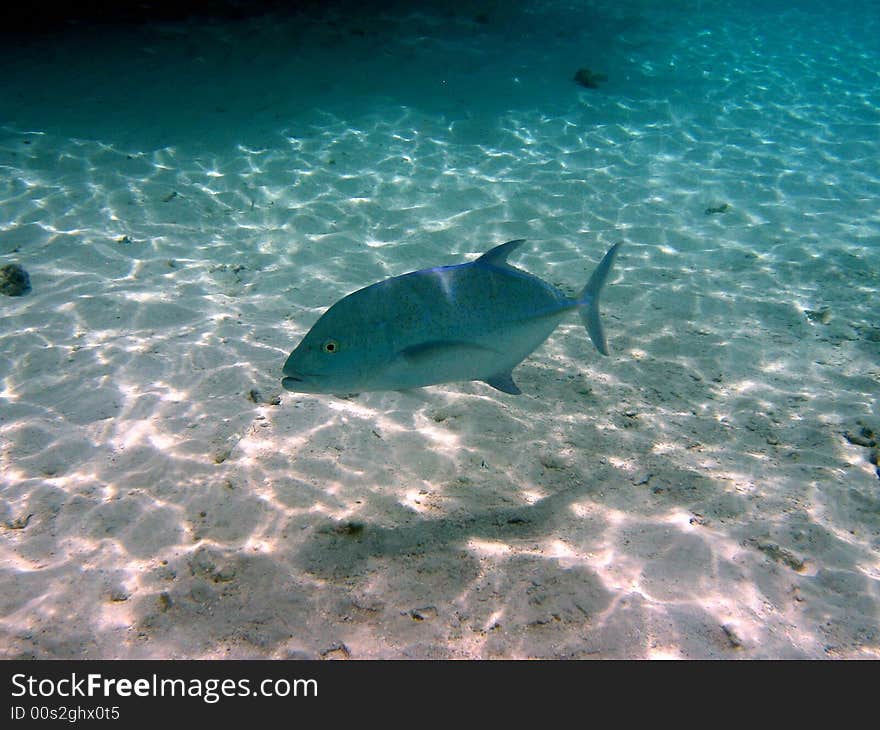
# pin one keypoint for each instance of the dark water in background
(274, 62)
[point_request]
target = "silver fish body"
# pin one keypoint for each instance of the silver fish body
(473, 321)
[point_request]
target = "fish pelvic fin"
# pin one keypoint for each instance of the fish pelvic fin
(588, 301)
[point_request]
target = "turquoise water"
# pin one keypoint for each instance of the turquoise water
(188, 196)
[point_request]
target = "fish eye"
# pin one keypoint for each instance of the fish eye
(330, 346)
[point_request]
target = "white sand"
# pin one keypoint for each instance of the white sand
(693, 495)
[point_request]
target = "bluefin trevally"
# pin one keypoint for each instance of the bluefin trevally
(473, 321)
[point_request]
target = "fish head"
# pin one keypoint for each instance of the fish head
(338, 355)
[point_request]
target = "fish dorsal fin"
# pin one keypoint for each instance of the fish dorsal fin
(498, 256)
(504, 381)
(426, 351)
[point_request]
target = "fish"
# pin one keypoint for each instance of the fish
(470, 321)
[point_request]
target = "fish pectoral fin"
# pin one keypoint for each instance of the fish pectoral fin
(426, 351)
(504, 383)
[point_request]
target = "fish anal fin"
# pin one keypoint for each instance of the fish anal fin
(504, 383)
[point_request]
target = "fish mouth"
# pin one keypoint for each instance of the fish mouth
(298, 382)
(293, 382)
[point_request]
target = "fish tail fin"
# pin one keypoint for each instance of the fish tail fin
(588, 301)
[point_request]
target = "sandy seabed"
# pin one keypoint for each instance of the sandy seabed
(707, 491)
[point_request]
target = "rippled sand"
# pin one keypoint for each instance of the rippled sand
(188, 200)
